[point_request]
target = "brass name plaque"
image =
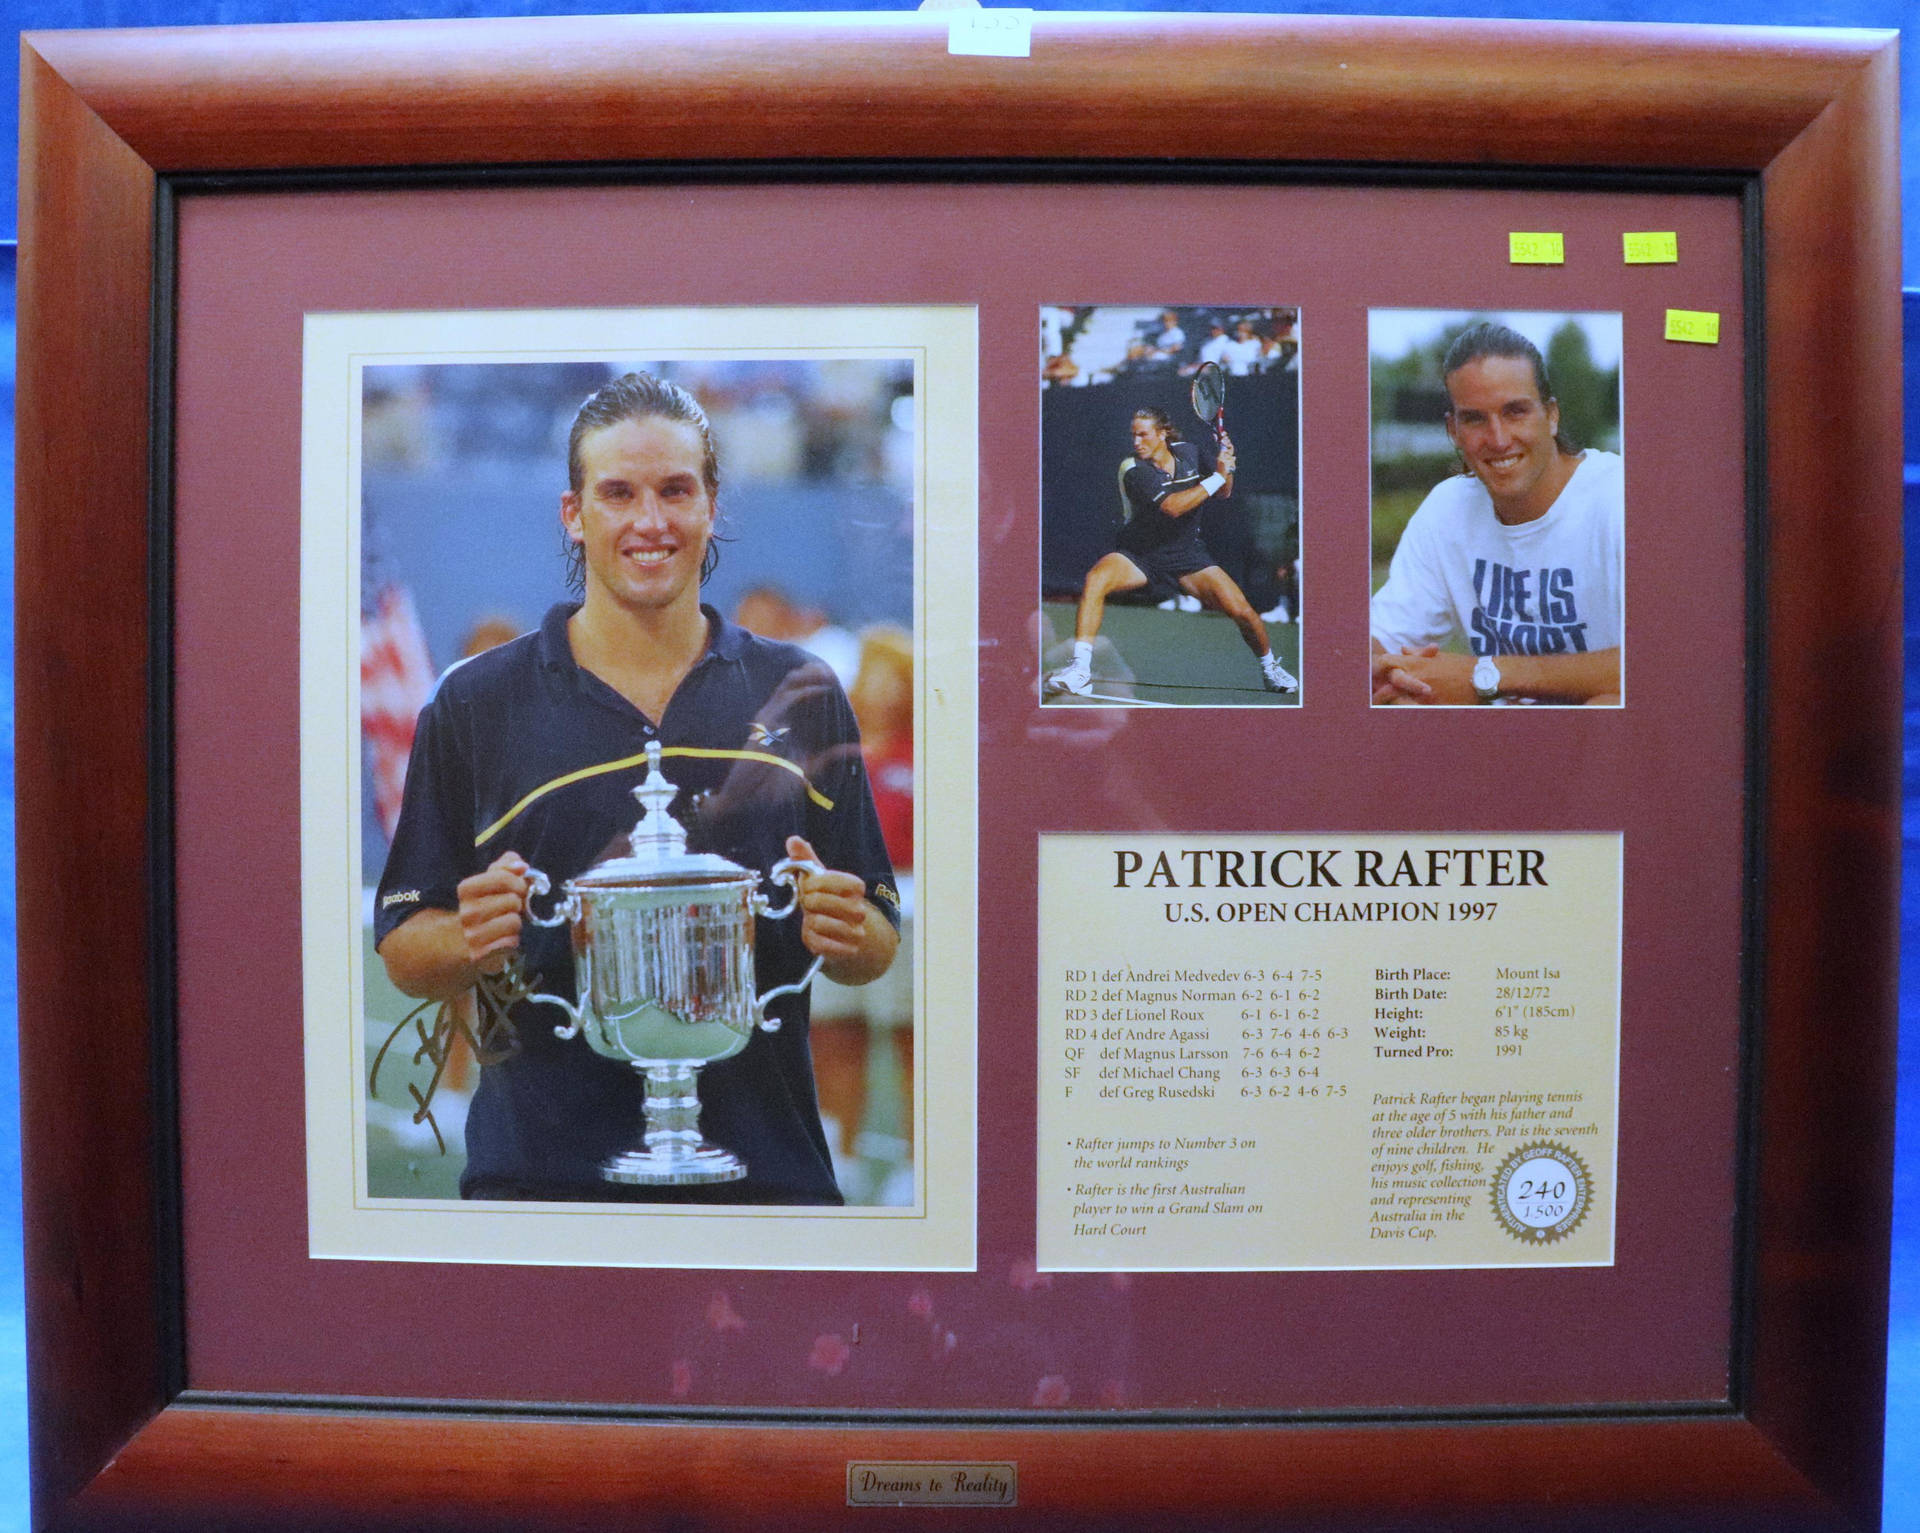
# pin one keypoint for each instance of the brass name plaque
(923, 1484)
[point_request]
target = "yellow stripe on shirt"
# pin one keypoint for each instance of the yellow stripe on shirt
(765, 757)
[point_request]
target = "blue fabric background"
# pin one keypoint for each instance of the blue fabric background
(1903, 1419)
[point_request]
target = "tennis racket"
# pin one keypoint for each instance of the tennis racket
(1210, 401)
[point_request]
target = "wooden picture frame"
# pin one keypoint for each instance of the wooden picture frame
(1805, 119)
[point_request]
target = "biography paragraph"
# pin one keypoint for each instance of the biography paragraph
(1261, 1053)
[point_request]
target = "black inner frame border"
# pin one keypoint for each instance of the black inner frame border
(170, 1320)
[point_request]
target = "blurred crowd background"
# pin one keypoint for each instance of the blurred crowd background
(462, 469)
(1090, 343)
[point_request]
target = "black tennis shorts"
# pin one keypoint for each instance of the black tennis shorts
(1165, 564)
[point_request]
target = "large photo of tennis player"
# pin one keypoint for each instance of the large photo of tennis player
(1170, 506)
(565, 563)
(1499, 509)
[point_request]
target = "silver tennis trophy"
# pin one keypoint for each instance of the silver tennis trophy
(663, 964)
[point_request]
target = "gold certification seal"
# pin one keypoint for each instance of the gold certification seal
(1541, 1193)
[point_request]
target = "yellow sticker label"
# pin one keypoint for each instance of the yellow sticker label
(1693, 325)
(1651, 248)
(1536, 250)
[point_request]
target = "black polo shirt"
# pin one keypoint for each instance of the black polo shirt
(1143, 485)
(522, 750)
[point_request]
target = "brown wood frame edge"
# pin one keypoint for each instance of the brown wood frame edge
(993, 172)
(169, 187)
(1811, 115)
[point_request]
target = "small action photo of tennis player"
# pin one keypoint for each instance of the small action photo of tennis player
(1499, 509)
(1170, 506)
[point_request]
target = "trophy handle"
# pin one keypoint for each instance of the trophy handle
(772, 1024)
(782, 873)
(539, 883)
(572, 1029)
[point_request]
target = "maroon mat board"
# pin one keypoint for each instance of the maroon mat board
(1667, 770)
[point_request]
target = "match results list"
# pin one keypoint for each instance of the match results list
(1320, 1052)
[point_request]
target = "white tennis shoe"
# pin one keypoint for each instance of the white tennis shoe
(1275, 676)
(1075, 678)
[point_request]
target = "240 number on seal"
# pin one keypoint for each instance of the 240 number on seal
(1541, 1193)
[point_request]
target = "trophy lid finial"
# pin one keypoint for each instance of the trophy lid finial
(657, 835)
(657, 852)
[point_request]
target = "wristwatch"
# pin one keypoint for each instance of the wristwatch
(1486, 679)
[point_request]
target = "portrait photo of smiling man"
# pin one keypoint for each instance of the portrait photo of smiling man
(1502, 583)
(615, 651)
(525, 757)
(734, 534)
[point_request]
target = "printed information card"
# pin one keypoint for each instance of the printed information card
(1314, 1052)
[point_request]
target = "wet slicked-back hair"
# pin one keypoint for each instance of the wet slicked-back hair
(1161, 420)
(633, 397)
(1486, 339)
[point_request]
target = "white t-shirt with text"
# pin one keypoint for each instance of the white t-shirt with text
(1551, 586)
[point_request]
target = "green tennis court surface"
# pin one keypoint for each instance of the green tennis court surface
(404, 1160)
(1149, 658)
